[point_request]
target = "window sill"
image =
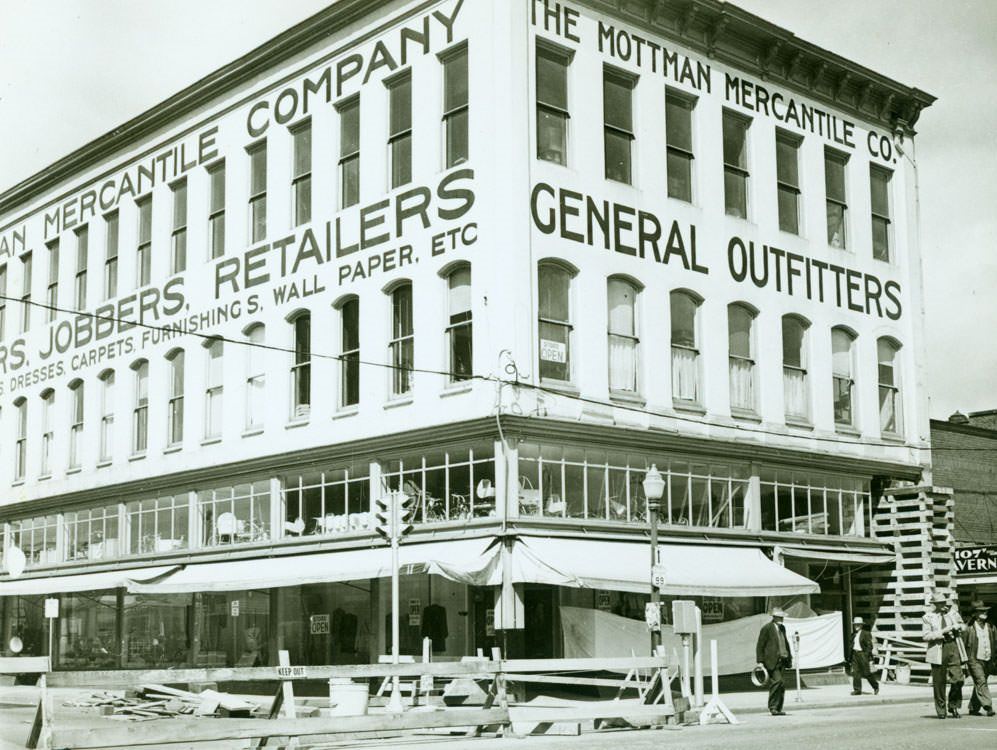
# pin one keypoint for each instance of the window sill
(74, 470)
(888, 437)
(347, 411)
(568, 389)
(689, 407)
(136, 457)
(250, 431)
(799, 423)
(211, 441)
(295, 423)
(176, 448)
(456, 390)
(17, 483)
(847, 429)
(394, 403)
(44, 477)
(103, 463)
(746, 414)
(627, 397)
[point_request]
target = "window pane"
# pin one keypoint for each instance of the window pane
(401, 160)
(349, 128)
(792, 342)
(617, 111)
(554, 283)
(455, 81)
(789, 212)
(400, 105)
(217, 189)
(302, 151)
(258, 171)
(787, 163)
(835, 224)
(351, 325)
(678, 122)
(402, 311)
(683, 320)
(554, 351)
(739, 331)
(841, 353)
(552, 136)
(622, 297)
(679, 176)
(879, 184)
(735, 194)
(880, 238)
(552, 81)
(617, 156)
(459, 284)
(834, 177)
(735, 138)
(457, 138)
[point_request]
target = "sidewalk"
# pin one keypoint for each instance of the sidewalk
(826, 696)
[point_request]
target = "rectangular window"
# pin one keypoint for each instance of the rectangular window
(455, 107)
(458, 333)
(140, 414)
(92, 534)
(402, 345)
(21, 443)
(685, 354)
(328, 501)
(554, 287)
(174, 406)
(678, 136)
(787, 168)
(257, 191)
(106, 417)
(52, 290)
(623, 341)
(216, 211)
(48, 436)
(837, 204)
(741, 363)
(879, 184)
(158, 524)
(178, 254)
(618, 129)
(841, 373)
(301, 173)
(349, 362)
(735, 135)
(256, 378)
(301, 368)
(552, 104)
(400, 130)
(235, 515)
(111, 256)
(804, 503)
(76, 425)
(3, 301)
(82, 249)
(143, 261)
(25, 292)
(795, 384)
(349, 152)
(214, 390)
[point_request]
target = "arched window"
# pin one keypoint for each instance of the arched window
(213, 389)
(402, 344)
(75, 423)
(842, 376)
(890, 406)
(624, 345)
(740, 346)
(140, 409)
(48, 436)
(301, 366)
(458, 332)
(256, 378)
(349, 352)
(685, 352)
(174, 409)
(554, 287)
(106, 415)
(795, 384)
(21, 442)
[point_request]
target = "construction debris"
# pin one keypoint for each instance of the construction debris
(156, 701)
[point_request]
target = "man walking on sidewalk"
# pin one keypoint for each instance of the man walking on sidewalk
(862, 648)
(946, 654)
(772, 652)
(981, 651)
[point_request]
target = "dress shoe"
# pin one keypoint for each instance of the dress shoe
(778, 713)
(856, 692)
(875, 690)
(954, 713)
(941, 716)
(990, 711)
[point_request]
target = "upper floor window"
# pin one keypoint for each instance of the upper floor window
(458, 333)
(21, 439)
(735, 136)
(685, 349)
(213, 389)
(879, 186)
(25, 292)
(400, 129)
(143, 260)
(740, 321)
(106, 415)
(890, 404)
(678, 137)
(52, 290)
(623, 340)
(257, 191)
(795, 386)
(3, 301)
(402, 345)
(552, 103)
(301, 173)
(787, 169)
(174, 404)
(301, 366)
(349, 152)
(554, 288)
(48, 436)
(256, 378)
(140, 409)
(178, 239)
(75, 423)
(843, 380)
(111, 255)
(837, 203)
(618, 128)
(349, 356)
(216, 210)
(82, 250)
(455, 107)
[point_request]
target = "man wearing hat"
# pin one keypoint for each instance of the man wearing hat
(861, 660)
(946, 654)
(980, 638)
(772, 652)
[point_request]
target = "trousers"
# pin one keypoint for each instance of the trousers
(860, 669)
(777, 689)
(981, 691)
(951, 675)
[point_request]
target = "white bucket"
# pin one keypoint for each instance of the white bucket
(347, 698)
(903, 674)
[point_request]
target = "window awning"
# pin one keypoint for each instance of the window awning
(690, 570)
(471, 561)
(66, 584)
(860, 557)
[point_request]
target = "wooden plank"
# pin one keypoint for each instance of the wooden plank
(617, 664)
(553, 679)
(23, 664)
(597, 710)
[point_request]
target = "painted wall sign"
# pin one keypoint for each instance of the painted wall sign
(972, 560)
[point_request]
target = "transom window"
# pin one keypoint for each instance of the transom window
(235, 514)
(92, 534)
(448, 484)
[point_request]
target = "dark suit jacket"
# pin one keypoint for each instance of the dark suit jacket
(972, 642)
(767, 648)
(865, 641)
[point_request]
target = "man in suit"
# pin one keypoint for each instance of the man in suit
(946, 654)
(980, 638)
(861, 659)
(772, 652)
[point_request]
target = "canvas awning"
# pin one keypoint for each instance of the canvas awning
(471, 561)
(65, 584)
(859, 557)
(690, 570)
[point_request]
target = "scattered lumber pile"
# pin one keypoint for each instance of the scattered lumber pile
(154, 701)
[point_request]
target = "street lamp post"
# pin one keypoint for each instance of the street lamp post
(654, 488)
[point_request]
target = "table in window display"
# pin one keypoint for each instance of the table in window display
(158, 524)
(236, 515)
(334, 501)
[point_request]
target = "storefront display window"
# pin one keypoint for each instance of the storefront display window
(328, 623)
(158, 524)
(333, 501)
(88, 631)
(92, 534)
(232, 629)
(156, 630)
(814, 504)
(236, 514)
(445, 482)
(24, 619)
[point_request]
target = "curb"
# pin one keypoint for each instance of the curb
(837, 704)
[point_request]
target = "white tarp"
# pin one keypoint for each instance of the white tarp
(690, 569)
(470, 561)
(592, 632)
(858, 557)
(107, 579)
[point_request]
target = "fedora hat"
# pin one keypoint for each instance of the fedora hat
(858, 621)
(939, 597)
(978, 606)
(778, 612)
